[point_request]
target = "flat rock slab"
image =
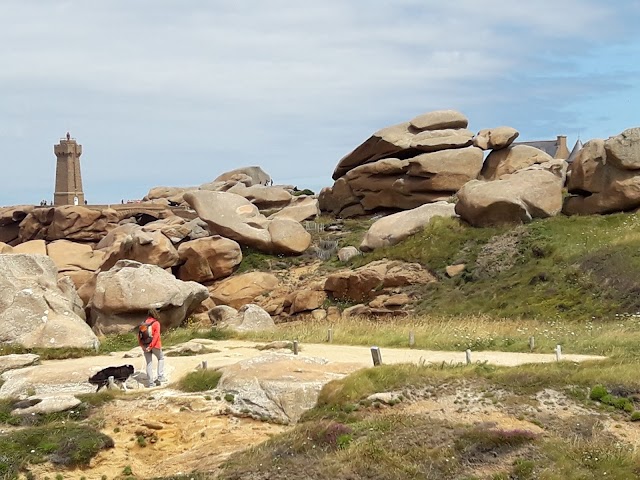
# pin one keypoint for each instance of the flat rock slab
(15, 361)
(49, 404)
(278, 387)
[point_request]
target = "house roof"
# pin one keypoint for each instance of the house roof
(556, 148)
(548, 146)
(574, 152)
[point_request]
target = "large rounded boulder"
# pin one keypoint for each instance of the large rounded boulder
(37, 310)
(605, 176)
(233, 216)
(124, 294)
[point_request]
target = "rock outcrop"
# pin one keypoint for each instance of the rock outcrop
(37, 310)
(67, 222)
(124, 294)
(10, 219)
(371, 280)
(207, 259)
(514, 199)
(233, 216)
(16, 361)
(249, 318)
(605, 176)
(495, 138)
(72, 256)
(143, 246)
(255, 174)
(300, 209)
(404, 166)
(510, 160)
(241, 289)
(392, 229)
(276, 387)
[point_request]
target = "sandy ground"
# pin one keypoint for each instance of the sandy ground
(70, 375)
(161, 431)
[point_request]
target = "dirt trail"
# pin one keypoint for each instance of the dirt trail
(187, 432)
(76, 371)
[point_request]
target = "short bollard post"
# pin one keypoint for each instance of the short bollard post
(376, 355)
(412, 339)
(468, 355)
(204, 364)
(295, 347)
(558, 353)
(330, 335)
(532, 343)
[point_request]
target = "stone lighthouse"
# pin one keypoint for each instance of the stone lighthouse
(68, 179)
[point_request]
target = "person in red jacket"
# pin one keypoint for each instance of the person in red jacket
(151, 344)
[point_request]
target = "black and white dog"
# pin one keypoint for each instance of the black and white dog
(119, 376)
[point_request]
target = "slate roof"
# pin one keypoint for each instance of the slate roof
(548, 146)
(574, 152)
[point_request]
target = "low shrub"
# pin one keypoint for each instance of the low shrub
(68, 444)
(488, 439)
(333, 435)
(200, 381)
(600, 394)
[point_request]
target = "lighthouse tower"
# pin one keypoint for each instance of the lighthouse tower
(68, 179)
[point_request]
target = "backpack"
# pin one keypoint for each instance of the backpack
(145, 332)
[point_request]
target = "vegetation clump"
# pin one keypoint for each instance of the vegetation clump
(66, 444)
(200, 381)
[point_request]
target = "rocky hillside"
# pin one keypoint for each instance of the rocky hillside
(426, 220)
(495, 242)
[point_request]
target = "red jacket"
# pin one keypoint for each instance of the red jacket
(154, 327)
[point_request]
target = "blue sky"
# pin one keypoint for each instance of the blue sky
(168, 92)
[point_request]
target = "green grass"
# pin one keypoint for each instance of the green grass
(200, 381)
(344, 436)
(97, 399)
(442, 242)
(618, 338)
(7, 405)
(47, 353)
(563, 268)
(394, 446)
(339, 396)
(69, 445)
(174, 336)
(116, 343)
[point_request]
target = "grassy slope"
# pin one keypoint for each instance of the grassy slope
(346, 436)
(564, 267)
(559, 270)
(562, 272)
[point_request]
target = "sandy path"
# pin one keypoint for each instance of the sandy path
(195, 435)
(70, 375)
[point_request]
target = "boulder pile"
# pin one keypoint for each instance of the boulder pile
(424, 160)
(605, 176)
(115, 262)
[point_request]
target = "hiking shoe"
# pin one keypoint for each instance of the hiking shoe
(157, 383)
(160, 380)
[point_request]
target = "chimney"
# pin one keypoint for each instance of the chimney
(562, 152)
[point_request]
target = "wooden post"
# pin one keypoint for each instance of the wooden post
(412, 339)
(330, 335)
(532, 343)
(558, 353)
(376, 355)
(295, 347)
(204, 364)
(468, 355)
